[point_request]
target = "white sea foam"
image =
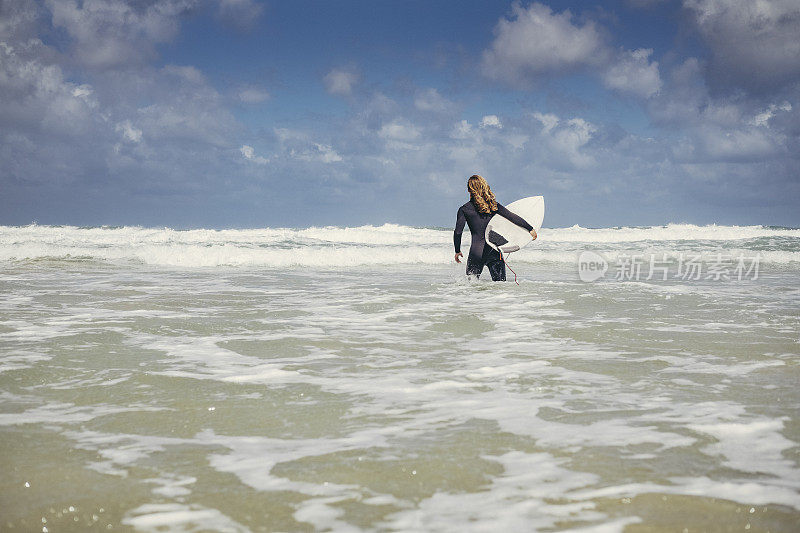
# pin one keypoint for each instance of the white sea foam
(670, 232)
(474, 406)
(332, 247)
(521, 499)
(180, 517)
(172, 486)
(18, 359)
(740, 490)
(117, 452)
(739, 442)
(65, 413)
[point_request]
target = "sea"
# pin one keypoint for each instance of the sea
(638, 379)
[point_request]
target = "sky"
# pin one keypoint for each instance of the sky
(246, 113)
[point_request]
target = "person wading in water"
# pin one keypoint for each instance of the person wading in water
(476, 214)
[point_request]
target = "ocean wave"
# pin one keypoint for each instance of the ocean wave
(389, 244)
(670, 232)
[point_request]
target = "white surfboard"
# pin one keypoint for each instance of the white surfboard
(507, 237)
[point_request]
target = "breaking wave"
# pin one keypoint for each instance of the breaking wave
(389, 244)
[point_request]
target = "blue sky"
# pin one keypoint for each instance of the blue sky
(240, 113)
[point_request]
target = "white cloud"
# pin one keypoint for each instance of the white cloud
(516, 140)
(185, 111)
(684, 103)
(753, 43)
(340, 82)
(548, 120)
(461, 130)
(431, 100)
(709, 143)
(491, 121)
(633, 73)
(565, 140)
(762, 119)
(326, 153)
(399, 130)
(36, 95)
(249, 153)
(375, 109)
(187, 121)
(297, 145)
(535, 41)
(18, 21)
(83, 91)
(573, 136)
(109, 34)
(720, 130)
(252, 95)
(129, 131)
(55, 131)
(683, 96)
(114, 33)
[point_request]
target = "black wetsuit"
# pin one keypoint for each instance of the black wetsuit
(481, 254)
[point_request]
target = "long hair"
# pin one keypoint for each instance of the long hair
(481, 195)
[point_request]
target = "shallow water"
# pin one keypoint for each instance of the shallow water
(386, 398)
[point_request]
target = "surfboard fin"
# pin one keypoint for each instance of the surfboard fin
(497, 239)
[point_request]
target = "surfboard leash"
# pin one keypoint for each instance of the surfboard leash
(503, 259)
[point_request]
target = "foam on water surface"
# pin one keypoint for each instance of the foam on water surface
(173, 516)
(386, 398)
(336, 247)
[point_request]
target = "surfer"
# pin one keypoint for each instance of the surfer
(476, 214)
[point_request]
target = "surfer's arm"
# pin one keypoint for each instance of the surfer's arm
(516, 219)
(461, 219)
